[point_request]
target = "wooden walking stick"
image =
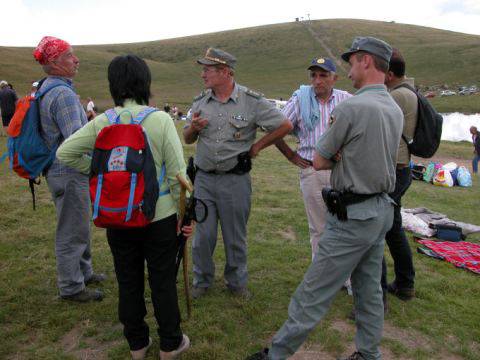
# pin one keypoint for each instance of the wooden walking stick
(183, 248)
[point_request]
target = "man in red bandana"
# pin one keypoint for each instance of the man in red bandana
(61, 114)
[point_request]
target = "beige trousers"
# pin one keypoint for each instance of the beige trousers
(311, 183)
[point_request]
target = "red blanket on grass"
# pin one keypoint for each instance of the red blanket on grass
(462, 254)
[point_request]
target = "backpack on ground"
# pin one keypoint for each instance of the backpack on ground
(417, 171)
(123, 180)
(428, 131)
(28, 153)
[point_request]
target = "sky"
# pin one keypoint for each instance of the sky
(81, 22)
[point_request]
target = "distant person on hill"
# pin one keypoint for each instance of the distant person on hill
(309, 112)
(400, 88)
(8, 101)
(156, 244)
(61, 115)
(90, 109)
(224, 121)
(476, 148)
(366, 129)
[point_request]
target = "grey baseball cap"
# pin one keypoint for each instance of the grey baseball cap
(217, 57)
(371, 45)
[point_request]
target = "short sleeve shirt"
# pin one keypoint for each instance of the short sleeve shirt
(232, 126)
(366, 129)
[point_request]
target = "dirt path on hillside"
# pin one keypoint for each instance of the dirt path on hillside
(324, 45)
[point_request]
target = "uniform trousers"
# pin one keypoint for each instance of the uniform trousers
(228, 198)
(71, 197)
(311, 183)
(157, 245)
(397, 240)
(351, 247)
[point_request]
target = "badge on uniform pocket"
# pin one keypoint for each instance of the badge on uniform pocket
(237, 135)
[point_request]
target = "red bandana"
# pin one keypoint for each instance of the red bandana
(50, 48)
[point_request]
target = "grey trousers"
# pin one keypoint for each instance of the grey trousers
(72, 238)
(228, 198)
(352, 247)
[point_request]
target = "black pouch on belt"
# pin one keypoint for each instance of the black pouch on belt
(335, 204)
(244, 164)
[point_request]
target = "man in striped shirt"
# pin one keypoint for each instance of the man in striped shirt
(309, 112)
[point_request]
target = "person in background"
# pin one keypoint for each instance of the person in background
(8, 101)
(156, 244)
(476, 148)
(90, 109)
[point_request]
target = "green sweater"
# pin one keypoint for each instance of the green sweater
(164, 143)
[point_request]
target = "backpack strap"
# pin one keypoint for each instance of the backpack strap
(143, 114)
(42, 92)
(97, 196)
(114, 118)
(133, 185)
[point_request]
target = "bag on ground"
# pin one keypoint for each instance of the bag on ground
(443, 178)
(464, 178)
(123, 180)
(430, 171)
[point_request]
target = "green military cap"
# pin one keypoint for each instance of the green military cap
(371, 45)
(216, 57)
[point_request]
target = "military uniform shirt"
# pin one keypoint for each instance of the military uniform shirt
(231, 126)
(366, 129)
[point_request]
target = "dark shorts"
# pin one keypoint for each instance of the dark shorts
(6, 119)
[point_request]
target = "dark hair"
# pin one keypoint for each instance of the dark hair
(380, 64)
(397, 64)
(129, 78)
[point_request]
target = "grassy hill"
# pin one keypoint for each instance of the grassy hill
(271, 59)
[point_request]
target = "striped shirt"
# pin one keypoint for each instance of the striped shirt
(308, 138)
(61, 114)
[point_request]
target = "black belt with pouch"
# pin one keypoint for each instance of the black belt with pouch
(337, 201)
(244, 165)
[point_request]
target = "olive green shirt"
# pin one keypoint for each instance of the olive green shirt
(232, 126)
(408, 103)
(366, 129)
(164, 144)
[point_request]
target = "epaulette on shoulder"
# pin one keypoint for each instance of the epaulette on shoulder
(254, 94)
(201, 95)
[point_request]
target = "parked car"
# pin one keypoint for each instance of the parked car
(473, 89)
(464, 92)
(279, 104)
(447, 93)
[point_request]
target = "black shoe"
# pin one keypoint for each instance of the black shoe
(96, 279)
(404, 294)
(261, 355)
(84, 296)
(355, 356)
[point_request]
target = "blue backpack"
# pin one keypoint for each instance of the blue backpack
(27, 151)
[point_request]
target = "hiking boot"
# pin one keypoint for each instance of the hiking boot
(241, 293)
(261, 355)
(96, 279)
(140, 354)
(170, 355)
(404, 294)
(84, 296)
(355, 356)
(198, 292)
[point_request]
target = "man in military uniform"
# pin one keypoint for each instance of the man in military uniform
(366, 129)
(224, 121)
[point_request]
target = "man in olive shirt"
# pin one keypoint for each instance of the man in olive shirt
(401, 90)
(224, 121)
(366, 130)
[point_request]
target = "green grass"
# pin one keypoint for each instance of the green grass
(271, 59)
(35, 324)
